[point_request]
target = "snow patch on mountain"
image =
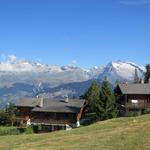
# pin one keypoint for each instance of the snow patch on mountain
(121, 70)
(115, 70)
(21, 78)
(14, 65)
(94, 72)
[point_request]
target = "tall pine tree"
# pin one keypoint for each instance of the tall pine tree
(92, 95)
(107, 104)
(147, 74)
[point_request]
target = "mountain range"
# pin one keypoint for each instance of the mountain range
(21, 78)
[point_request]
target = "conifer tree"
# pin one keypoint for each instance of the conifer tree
(92, 95)
(107, 104)
(117, 82)
(147, 74)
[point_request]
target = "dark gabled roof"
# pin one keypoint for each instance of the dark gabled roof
(135, 88)
(72, 106)
(28, 102)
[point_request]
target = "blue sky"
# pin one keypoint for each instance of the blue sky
(88, 32)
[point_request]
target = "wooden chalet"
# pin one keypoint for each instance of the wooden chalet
(132, 97)
(50, 115)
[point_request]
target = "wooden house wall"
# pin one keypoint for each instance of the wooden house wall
(140, 98)
(122, 99)
(49, 117)
(56, 118)
(24, 111)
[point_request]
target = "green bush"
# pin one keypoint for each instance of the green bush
(9, 131)
(134, 113)
(35, 128)
(146, 111)
(89, 118)
(21, 130)
(29, 130)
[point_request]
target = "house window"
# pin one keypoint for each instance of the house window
(134, 101)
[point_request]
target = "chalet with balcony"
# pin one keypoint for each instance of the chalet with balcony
(132, 97)
(50, 115)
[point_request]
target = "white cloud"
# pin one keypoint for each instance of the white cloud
(74, 62)
(12, 58)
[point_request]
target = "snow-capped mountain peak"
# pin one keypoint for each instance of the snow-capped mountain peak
(115, 70)
(121, 70)
(21, 78)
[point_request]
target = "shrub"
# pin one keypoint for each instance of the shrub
(21, 130)
(35, 128)
(89, 118)
(146, 111)
(8, 131)
(134, 113)
(29, 130)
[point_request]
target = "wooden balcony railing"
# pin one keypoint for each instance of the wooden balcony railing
(138, 105)
(50, 121)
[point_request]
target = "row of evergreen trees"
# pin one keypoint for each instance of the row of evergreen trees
(101, 100)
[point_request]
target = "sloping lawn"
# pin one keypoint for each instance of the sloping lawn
(115, 134)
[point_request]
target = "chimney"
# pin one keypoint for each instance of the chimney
(41, 102)
(142, 81)
(66, 99)
(126, 84)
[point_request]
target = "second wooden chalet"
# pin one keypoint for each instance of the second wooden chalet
(133, 97)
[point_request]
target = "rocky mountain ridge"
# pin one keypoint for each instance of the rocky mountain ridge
(22, 78)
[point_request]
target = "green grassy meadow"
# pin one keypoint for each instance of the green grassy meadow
(131, 133)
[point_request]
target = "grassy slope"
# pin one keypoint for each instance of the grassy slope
(115, 134)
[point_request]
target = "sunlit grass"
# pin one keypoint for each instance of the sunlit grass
(115, 134)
